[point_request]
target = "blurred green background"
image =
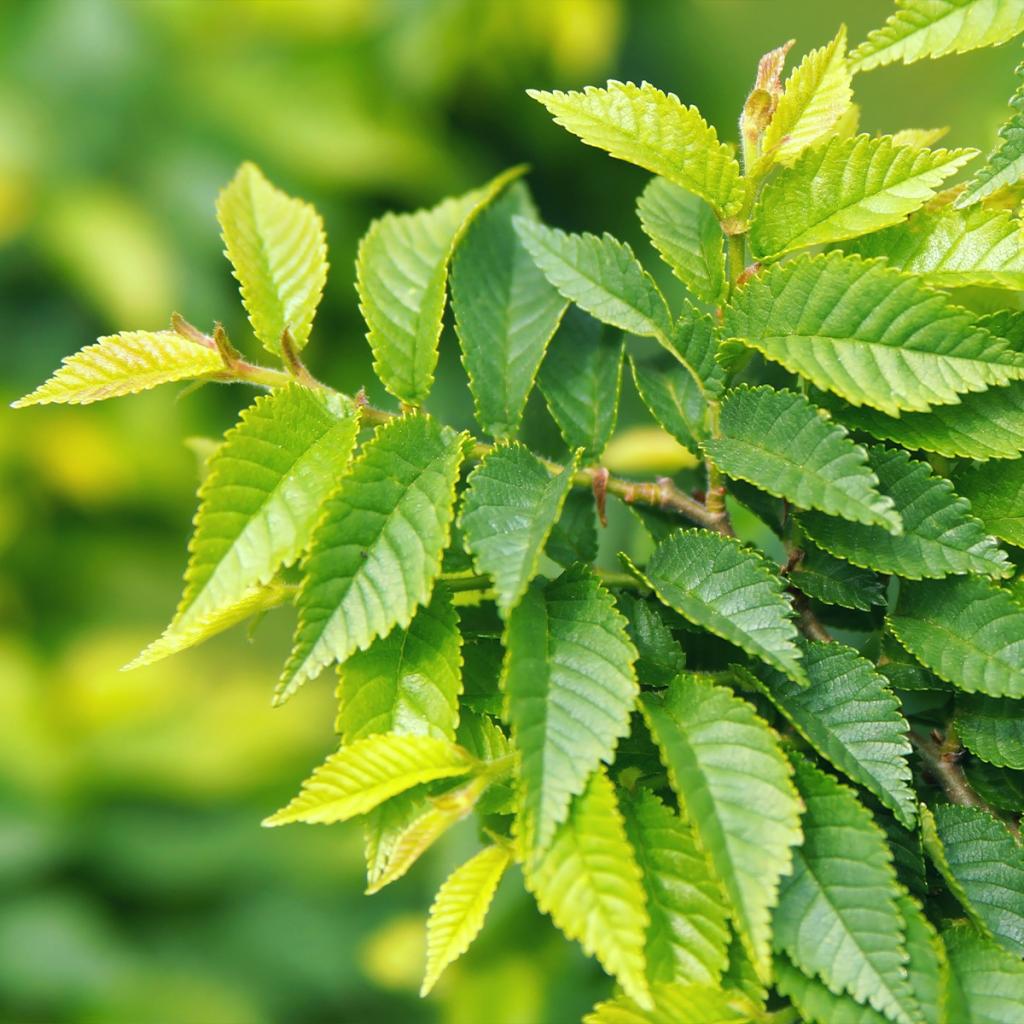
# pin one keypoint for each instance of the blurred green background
(135, 883)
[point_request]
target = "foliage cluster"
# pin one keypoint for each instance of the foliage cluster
(715, 797)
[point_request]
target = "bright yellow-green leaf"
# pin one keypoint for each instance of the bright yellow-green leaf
(277, 247)
(459, 909)
(366, 773)
(817, 95)
(654, 130)
(124, 364)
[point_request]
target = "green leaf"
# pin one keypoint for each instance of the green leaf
(402, 276)
(425, 823)
(278, 250)
(673, 398)
(922, 29)
(825, 578)
(505, 313)
(716, 583)
(694, 343)
(581, 379)
(846, 188)
(1005, 165)
(385, 827)
(125, 364)
(458, 911)
(850, 717)
(870, 334)
(818, 1005)
(570, 686)
(366, 773)
(510, 505)
(986, 984)
(779, 442)
(661, 658)
(574, 536)
(679, 1004)
(816, 97)
(939, 537)
(686, 233)
(378, 547)
(996, 494)
(652, 129)
(689, 934)
(953, 248)
(838, 916)
(983, 867)
(1003, 788)
(991, 728)
(601, 275)
(733, 783)
(258, 505)
(589, 883)
(408, 681)
(967, 631)
(989, 425)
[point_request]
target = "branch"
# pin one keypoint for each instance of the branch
(662, 493)
(942, 761)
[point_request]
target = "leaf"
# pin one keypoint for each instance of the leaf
(570, 687)
(992, 729)
(986, 984)
(989, 425)
(967, 631)
(983, 867)
(870, 334)
(825, 578)
(277, 247)
(386, 825)
(652, 129)
(686, 233)
(458, 911)
(818, 1005)
(939, 537)
(673, 398)
(779, 442)
(364, 774)
(816, 97)
(921, 29)
(425, 824)
(850, 717)
(847, 187)
(679, 1004)
(408, 681)
(689, 933)
(660, 658)
(717, 584)
(257, 601)
(953, 248)
(581, 379)
(574, 536)
(589, 883)
(505, 313)
(694, 343)
(510, 505)
(1003, 788)
(733, 782)
(125, 364)
(378, 547)
(996, 494)
(258, 505)
(601, 275)
(838, 916)
(402, 276)
(1005, 165)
